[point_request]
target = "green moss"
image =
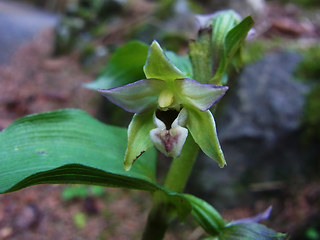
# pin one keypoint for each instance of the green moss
(309, 67)
(303, 3)
(312, 115)
(256, 49)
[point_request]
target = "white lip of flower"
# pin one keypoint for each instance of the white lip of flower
(166, 90)
(170, 139)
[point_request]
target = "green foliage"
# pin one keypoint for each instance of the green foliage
(207, 217)
(312, 234)
(82, 22)
(125, 66)
(309, 67)
(254, 51)
(69, 146)
(311, 117)
(250, 231)
(80, 220)
(218, 229)
(303, 3)
(308, 70)
(181, 62)
(81, 191)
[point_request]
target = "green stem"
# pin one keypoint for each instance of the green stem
(181, 167)
(177, 177)
(161, 215)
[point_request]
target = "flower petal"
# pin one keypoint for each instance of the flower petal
(203, 130)
(138, 138)
(199, 95)
(158, 65)
(169, 142)
(135, 97)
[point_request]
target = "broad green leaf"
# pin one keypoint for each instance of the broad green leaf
(207, 217)
(159, 66)
(203, 130)
(125, 66)
(183, 63)
(69, 146)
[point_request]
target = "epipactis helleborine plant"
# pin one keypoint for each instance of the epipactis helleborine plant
(164, 105)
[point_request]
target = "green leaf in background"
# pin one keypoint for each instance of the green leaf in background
(69, 146)
(183, 63)
(124, 66)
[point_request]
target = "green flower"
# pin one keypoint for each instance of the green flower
(166, 106)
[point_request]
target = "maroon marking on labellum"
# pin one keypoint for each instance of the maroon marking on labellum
(168, 141)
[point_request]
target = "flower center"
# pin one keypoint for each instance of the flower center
(165, 99)
(167, 117)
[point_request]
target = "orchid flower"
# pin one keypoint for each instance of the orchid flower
(167, 105)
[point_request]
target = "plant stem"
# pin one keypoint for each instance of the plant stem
(181, 167)
(177, 177)
(160, 215)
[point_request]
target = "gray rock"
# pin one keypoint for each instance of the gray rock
(19, 24)
(258, 129)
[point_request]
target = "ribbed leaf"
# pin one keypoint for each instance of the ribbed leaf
(69, 146)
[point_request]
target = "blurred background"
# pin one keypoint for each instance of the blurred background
(268, 122)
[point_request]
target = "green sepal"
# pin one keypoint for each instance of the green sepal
(138, 138)
(206, 215)
(203, 130)
(199, 95)
(158, 65)
(140, 96)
